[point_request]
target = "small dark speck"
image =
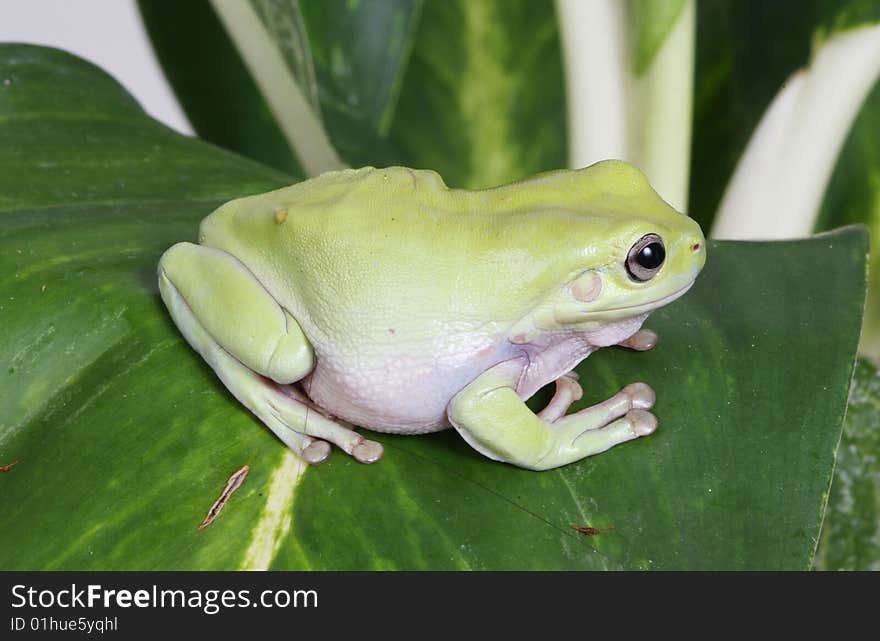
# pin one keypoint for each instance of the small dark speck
(591, 531)
(390, 331)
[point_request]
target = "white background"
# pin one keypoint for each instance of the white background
(108, 33)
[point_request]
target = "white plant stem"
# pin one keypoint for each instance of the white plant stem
(597, 65)
(300, 125)
(664, 98)
(781, 178)
(612, 113)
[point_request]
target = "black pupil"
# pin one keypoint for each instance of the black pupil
(651, 256)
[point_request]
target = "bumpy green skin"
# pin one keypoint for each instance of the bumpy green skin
(353, 238)
(398, 302)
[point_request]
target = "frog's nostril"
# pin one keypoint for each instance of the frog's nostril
(696, 247)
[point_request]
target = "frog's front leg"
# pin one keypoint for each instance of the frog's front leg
(254, 345)
(495, 421)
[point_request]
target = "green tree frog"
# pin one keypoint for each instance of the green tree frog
(382, 298)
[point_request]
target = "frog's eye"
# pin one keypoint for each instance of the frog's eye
(645, 258)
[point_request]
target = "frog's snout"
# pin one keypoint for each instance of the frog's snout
(697, 246)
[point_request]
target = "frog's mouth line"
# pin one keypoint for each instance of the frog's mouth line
(632, 310)
(660, 302)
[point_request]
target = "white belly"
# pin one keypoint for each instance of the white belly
(402, 391)
(405, 389)
(402, 397)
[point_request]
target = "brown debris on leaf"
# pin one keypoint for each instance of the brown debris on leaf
(591, 531)
(232, 484)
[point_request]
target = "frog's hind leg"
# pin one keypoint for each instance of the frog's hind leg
(255, 347)
(296, 408)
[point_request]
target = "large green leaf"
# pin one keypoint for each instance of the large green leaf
(212, 84)
(746, 50)
(124, 438)
(348, 58)
(483, 99)
(360, 49)
(487, 75)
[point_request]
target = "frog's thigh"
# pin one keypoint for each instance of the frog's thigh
(493, 419)
(232, 306)
(244, 335)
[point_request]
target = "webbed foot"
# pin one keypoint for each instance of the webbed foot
(494, 420)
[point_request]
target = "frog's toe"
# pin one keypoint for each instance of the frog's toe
(635, 396)
(368, 451)
(641, 341)
(568, 390)
(643, 422)
(316, 452)
(641, 396)
(633, 424)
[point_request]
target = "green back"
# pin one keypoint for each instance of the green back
(394, 239)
